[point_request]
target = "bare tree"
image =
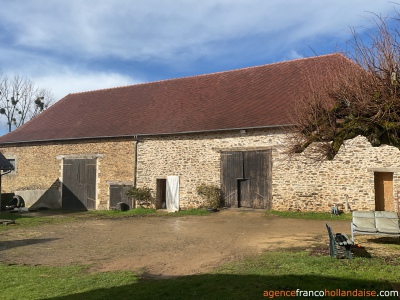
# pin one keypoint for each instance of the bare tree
(21, 100)
(360, 98)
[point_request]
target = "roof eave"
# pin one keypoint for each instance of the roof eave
(143, 134)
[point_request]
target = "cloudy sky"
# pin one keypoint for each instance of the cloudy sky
(78, 45)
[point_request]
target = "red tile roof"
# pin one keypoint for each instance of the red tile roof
(253, 97)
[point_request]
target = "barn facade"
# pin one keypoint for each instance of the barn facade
(228, 129)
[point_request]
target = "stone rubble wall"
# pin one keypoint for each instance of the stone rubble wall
(39, 166)
(297, 183)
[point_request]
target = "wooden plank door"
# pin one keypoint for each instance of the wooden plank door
(118, 194)
(231, 171)
(257, 168)
(244, 193)
(384, 191)
(246, 178)
(79, 184)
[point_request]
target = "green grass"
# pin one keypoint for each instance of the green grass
(308, 215)
(246, 279)
(142, 212)
(189, 212)
(25, 282)
(137, 212)
(25, 220)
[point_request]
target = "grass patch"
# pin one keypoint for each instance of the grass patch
(189, 212)
(25, 220)
(136, 212)
(145, 212)
(25, 282)
(247, 279)
(309, 215)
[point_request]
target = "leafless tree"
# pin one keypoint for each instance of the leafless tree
(360, 98)
(21, 100)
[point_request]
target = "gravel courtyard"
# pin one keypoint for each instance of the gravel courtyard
(161, 246)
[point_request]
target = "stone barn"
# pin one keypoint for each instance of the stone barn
(227, 129)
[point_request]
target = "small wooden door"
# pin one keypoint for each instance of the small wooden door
(79, 184)
(118, 194)
(384, 200)
(244, 193)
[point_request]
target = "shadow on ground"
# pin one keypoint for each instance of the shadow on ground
(385, 240)
(223, 286)
(19, 243)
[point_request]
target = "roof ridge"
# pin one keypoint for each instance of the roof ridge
(208, 74)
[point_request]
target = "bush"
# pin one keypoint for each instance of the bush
(211, 193)
(141, 195)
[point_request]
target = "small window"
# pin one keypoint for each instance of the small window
(13, 161)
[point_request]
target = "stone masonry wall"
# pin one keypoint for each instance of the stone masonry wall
(348, 180)
(297, 184)
(39, 166)
(195, 158)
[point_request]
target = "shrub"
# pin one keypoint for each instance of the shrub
(141, 195)
(211, 194)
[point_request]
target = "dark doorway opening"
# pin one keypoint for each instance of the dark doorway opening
(161, 193)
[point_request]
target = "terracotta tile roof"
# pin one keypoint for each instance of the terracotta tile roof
(258, 96)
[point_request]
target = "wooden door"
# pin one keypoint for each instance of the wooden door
(246, 178)
(257, 168)
(231, 171)
(384, 191)
(79, 184)
(244, 193)
(118, 194)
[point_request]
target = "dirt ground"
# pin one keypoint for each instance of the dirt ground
(161, 246)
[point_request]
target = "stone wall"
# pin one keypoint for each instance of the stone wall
(348, 180)
(297, 183)
(195, 158)
(39, 166)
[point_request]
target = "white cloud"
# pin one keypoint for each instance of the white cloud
(293, 54)
(73, 81)
(53, 42)
(159, 29)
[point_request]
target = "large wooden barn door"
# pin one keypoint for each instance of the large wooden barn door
(79, 184)
(245, 178)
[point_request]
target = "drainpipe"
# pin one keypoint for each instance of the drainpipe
(135, 139)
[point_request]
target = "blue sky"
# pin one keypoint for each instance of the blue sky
(70, 46)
